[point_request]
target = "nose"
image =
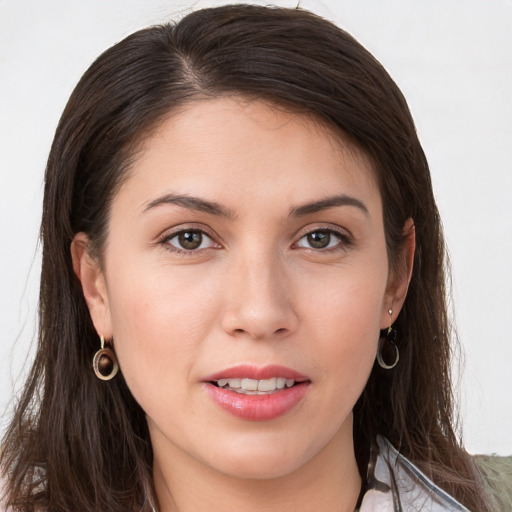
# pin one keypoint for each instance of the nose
(259, 301)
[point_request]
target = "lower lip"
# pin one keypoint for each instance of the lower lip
(258, 407)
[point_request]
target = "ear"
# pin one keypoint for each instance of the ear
(89, 272)
(400, 278)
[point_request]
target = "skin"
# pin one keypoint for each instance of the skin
(255, 292)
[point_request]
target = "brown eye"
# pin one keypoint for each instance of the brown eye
(319, 239)
(190, 240)
(323, 239)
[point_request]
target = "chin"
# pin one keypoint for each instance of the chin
(264, 459)
(260, 468)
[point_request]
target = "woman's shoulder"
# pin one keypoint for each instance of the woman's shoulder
(497, 474)
(394, 483)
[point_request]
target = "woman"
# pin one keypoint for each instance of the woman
(242, 295)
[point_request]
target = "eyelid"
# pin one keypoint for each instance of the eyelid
(322, 226)
(187, 226)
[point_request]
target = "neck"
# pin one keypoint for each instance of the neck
(329, 482)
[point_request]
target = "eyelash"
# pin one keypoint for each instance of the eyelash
(165, 241)
(344, 240)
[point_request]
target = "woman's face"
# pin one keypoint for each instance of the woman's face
(245, 250)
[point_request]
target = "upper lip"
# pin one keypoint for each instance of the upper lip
(256, 373)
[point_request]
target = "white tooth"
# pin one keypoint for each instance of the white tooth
(249, 384)
(267, 384)
(280, 382)
(289, 383)
(222, 382)
(234, 383)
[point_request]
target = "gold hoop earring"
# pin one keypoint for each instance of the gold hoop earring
(105, 363)
(390, 338)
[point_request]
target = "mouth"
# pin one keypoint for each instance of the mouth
(255, 393)
(246, 386)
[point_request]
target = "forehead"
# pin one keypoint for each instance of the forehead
(232, 146)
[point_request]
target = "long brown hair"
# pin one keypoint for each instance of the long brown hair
(78, 443)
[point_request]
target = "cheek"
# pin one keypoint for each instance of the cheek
(155, 304)
(160, 319)
(345, 321)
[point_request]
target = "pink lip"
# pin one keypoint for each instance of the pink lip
(254, 372)
(258, 407)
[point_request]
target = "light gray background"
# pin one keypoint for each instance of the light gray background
(453, 61)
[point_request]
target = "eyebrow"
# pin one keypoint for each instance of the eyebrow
(328, 202)
(192, 203)
(213, 208)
